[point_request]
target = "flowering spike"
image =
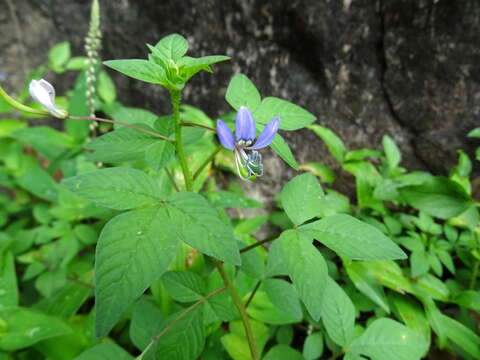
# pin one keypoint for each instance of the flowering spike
(244, 125)
(44, 93)
(267, 135)
(225, 135)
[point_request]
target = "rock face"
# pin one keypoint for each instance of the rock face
(365, 68)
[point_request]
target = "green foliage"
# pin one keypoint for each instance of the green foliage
(104, 233)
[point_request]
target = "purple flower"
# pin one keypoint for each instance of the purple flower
(247, 159)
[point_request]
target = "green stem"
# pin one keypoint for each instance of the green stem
(473, 281)
(241, 308)
(206, 162)
(177, 319)
(19, 106)
(175, 99)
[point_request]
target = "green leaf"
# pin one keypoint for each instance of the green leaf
(334, 144)
(22, 328)
(188, 332)
(292, 117)
(146, 322)
(132, 115)
(280, 146)
(367, 284)
(47, 141)
(191, 66)
(469, 299)
(412, 315)
(418, 263)
(236, 341)
(474, 133)
(318, 169)
(283, 352)
(139, 69)
(184, 286)
(116, 188)
(462, 336)
(159, 154)
(262, 309)
(173, 47)
(302, 198)
(124, 144)
(8, 282)
(231, 199)
(284, 296)
(439, 197)
(198, 224)
(386, 339)
(352, 238)
(392, 152)
(434, 287)
(307, 269)
(242, 92)
(78, 106)
(59, 55)
(338, 314)
(313, 346)
(10, 126)
(105, 351)
(77, 63)
(40, 183)
(106, 88)
(134, 250)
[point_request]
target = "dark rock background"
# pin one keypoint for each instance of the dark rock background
(365, 68)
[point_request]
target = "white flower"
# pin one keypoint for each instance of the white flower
(43, 93)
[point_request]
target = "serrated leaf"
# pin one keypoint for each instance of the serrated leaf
(146, 322)
(198, 224)
(139, 69)
(105, 351)
(292, 117)
(184, 286)
(22, 328)
(382, 336)
(306, 267)
(439, 197)
(284, 296)
(338, 313)
(173, 47)
(116, 188)
(242, 92)
(134, 249)
(352, 238)
(302, 198)
(280, 146)
(335, 145)
(121, 145)
(187, 332)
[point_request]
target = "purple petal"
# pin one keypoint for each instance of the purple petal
(225, 135)
(267, 135)
(244, 125)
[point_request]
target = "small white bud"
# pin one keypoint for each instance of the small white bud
(44, 93)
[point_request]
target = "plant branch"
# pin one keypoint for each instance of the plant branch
(178, 318)
(198, 125)
(254, 291)
(93, 118)
(175, 99)
(250, 247)
(172, 180)
(206, 162)
(243, 313)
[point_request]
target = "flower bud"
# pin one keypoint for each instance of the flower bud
(43, 93)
